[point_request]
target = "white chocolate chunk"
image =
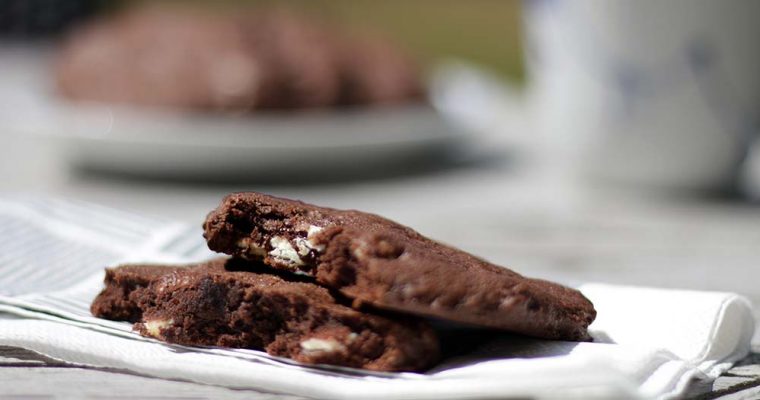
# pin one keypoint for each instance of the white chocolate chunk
(360, 251)
(306, 245)
(303, 246)
(283, 251)
(321, 346)
(313, 230)
(154, 327)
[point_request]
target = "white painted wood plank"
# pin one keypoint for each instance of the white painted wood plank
(752, 370)
(77, 383)
(752, 393)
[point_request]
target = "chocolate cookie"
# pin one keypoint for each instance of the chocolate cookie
(377, 72)
(225, 303)
(162, 56)
(303, 54)
(232, 61)
(376, 261)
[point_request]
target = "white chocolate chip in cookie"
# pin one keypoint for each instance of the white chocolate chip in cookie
(306, 245)
(360, 251)
(314, 345)
(283, 251)
(313, 230)
(154, 327)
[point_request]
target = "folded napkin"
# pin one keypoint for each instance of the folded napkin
(648, 343)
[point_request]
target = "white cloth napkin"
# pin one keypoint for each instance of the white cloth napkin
(648, 342)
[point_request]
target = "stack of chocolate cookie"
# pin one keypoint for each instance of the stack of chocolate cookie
(327, 286)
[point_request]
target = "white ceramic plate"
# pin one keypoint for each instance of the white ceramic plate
(267, 144)
(262, 145)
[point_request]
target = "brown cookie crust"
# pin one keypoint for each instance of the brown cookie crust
(376, 261)
(225, 303)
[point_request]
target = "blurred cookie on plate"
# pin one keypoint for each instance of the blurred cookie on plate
(230, 61)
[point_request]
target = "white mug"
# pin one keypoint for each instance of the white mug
(660, 92)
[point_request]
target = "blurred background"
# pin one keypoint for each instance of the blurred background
(578, 141)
